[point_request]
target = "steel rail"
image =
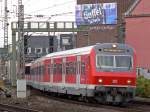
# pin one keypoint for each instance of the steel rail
(12, 108)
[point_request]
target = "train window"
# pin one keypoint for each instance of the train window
(114, 62)
(35, 71)
(105, 61)
(39, 70)
(75, 67)
(83, 68)
(57, 69)
(71, 68)
(67, 68)
(48, 67)
(54, 69)
(123, 61)
(30, 71)
(42, 70)
(27, 70)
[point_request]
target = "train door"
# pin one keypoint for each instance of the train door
(70, 70)
(84, 69)
(57, 70)
(46, 77)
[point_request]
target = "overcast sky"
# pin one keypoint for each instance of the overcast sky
(39, 7)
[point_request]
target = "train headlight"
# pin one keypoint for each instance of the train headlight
(100, 80)
(114, 45)
(129, 81)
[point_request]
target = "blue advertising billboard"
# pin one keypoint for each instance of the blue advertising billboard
(93, 14)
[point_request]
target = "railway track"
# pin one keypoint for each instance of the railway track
(131, 107)
(12, 108)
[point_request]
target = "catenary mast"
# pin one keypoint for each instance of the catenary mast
(20, 58)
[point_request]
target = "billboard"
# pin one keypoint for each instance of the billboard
(93, 14)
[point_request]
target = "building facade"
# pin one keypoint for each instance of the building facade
(67, 41)
(108, 31)
(37, 46)
(138, 33)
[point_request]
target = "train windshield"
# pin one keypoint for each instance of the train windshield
(123, 61)
(114, 63)
(105, 61)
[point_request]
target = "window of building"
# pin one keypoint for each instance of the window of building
(51, 41)
(29, 50)
(51, 50)
(27, 70)
(65, 41)
(47, 50)
(44, 50)
(38, 50)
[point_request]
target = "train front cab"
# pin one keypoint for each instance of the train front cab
(114, 69)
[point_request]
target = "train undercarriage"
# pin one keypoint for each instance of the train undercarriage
(101, 94)
(114, 95)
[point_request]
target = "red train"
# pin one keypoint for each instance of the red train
(105, 72)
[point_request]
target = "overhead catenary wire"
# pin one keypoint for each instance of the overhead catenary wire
(41, 15)
(46, 16)
(27, 1)
(54, 15)
(53, 6)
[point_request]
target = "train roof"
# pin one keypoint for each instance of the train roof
(77, 51)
